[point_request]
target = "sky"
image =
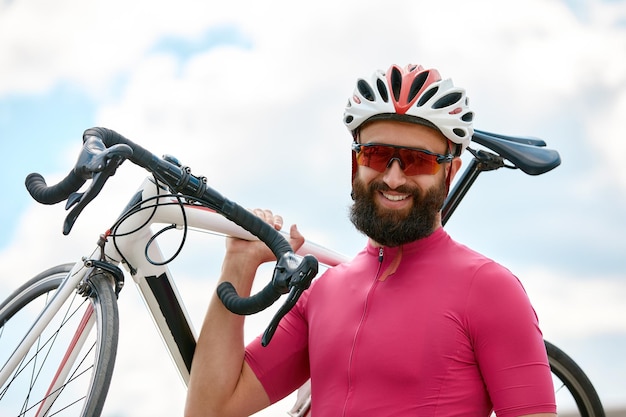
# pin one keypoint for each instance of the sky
(251, 95)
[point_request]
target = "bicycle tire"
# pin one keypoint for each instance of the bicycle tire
(90, 375)
(579, 389)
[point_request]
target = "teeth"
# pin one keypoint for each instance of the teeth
(395, 197)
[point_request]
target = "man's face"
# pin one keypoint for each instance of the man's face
(390, 207)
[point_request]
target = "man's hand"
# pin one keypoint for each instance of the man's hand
(257, 251)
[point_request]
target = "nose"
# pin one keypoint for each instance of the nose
(394, 176)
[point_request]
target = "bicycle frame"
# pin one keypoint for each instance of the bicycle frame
(482, 161)
(153, 279)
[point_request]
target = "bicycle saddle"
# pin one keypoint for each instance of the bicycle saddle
(526, 153)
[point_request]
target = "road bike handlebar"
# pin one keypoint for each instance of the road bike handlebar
(104, 151)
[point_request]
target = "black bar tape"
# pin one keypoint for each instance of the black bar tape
(258, 227)
(39, 190)
(246, 305)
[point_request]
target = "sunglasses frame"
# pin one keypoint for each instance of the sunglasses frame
(441, 159)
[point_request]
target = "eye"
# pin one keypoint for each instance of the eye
(409, 157)
(379, 154)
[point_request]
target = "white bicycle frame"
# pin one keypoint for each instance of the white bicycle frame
(155, 282)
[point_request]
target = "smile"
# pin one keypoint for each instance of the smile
(395, 197)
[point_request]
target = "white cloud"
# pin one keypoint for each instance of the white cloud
(606, 131)
(575, 308)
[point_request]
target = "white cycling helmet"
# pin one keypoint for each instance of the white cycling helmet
(412, 94)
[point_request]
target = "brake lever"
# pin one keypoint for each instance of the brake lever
(295, 281)
(98, 163)
(95, 157)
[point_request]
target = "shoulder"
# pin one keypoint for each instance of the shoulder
(491, 279)
(483, 270)
(498, 300)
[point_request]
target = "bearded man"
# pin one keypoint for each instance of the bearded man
(416, 324)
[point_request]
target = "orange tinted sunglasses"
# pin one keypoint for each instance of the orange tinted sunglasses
(413, 161)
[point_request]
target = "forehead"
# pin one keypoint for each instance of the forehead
(392, 132)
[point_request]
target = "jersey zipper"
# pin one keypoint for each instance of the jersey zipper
(358, 330)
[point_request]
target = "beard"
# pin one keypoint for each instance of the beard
(395, 227)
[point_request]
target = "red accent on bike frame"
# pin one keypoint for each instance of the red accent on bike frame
(81, 328)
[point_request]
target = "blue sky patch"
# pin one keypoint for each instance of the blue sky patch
(185, 48)
(32, 128)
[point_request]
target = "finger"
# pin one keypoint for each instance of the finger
(263, 214)
(296, 239)
(278, 222)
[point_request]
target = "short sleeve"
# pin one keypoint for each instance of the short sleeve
(508, 344)
(283, 365)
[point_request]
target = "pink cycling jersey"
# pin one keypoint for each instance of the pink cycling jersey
(428, 329)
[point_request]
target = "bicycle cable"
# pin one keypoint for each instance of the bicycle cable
(141, 206)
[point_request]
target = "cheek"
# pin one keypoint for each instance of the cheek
(366, 174)
(429, 180)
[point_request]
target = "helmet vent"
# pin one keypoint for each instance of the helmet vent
(417, 85)
(427, 96)
(365, 90)
(468, 117)
(459, 132)
(396, 82)
(382, 90)
(448, 100)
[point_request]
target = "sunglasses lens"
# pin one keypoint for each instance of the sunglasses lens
(412, 161)
(418, 163)
(375, 157)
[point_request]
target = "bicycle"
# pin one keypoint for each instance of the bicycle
(63, 363)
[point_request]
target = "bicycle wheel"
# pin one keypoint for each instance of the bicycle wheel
(68, 370)
(575, 395)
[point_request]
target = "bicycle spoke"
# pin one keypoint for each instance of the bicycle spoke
(68, 368)
(37, 362)
(61, 389)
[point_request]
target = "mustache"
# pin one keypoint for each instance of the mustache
(403, 189)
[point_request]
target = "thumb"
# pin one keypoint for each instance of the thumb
(296, 240)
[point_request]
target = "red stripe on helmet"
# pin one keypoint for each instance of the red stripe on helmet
(405, 98)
